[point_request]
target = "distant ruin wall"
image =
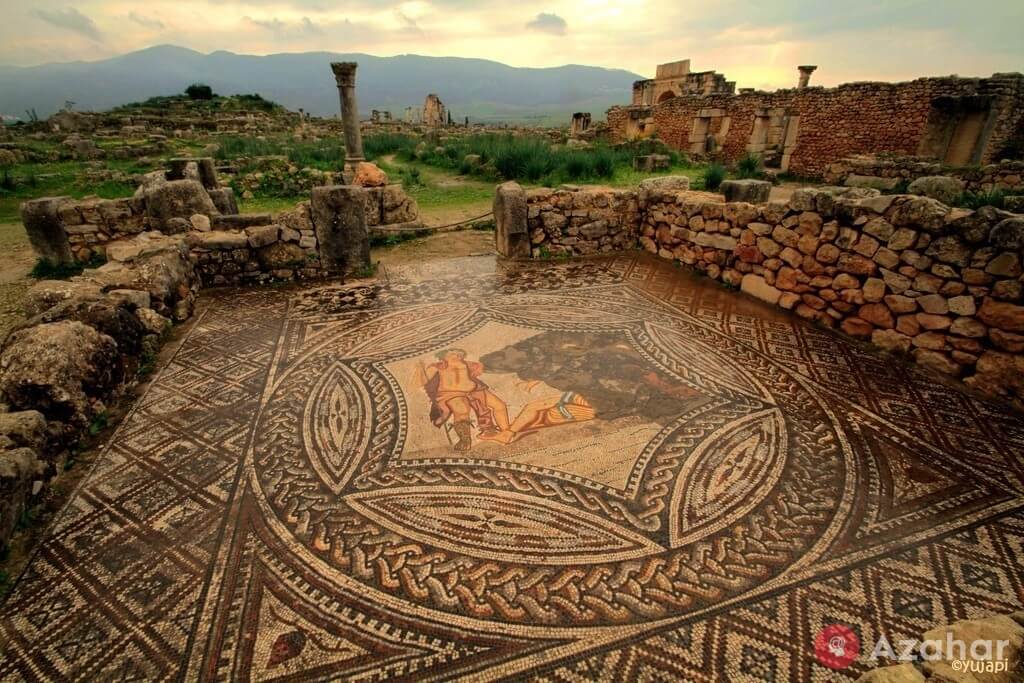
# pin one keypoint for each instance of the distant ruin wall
(978, 119)
(944, 286)
(1004, 175)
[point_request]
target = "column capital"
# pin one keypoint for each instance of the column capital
(344, 73)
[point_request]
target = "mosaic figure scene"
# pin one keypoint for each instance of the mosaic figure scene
(325, 366)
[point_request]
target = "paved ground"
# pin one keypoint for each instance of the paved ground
(585, 470)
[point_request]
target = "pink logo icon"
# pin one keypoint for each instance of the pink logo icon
(836, 646)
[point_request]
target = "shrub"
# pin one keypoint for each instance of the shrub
(713, 176)
(749, 166)
(199, 91)
(976, 200)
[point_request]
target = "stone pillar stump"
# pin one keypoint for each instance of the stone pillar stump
(511, 234)
(339, 218)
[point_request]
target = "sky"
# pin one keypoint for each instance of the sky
(757, 43)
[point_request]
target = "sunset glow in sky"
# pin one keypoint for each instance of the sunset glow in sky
(756, 43)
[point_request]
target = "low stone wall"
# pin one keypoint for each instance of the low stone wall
(1005, 175)
(907, 273)
(571, 221)
(84, 338)
(943, 285)
(284, 250)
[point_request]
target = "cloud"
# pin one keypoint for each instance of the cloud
(147, 22)
(72, 20)
(311, 27)
(274, 25)
(548, 22)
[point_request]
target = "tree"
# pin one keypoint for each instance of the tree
(199, 91)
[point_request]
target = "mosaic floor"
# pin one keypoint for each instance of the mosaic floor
(574, 471)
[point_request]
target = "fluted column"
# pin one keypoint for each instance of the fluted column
(345, 76)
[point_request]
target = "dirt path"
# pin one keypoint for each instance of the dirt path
(439, 246)
(16, 260)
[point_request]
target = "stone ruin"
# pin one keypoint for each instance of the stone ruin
(435, 115)
(580, 124)
(941, 285)
(803, 130)
(85, 337)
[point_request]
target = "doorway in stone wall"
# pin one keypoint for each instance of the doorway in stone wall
(958, 129)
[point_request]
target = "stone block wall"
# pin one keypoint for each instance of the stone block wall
(832, 123)
(908, 273)
(943, 286)
(1006, 175)
(91, 223)
(575, 222)
(285, 250)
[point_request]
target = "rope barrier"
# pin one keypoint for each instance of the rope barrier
(463, 222)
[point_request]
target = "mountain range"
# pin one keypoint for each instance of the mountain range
(484, 90)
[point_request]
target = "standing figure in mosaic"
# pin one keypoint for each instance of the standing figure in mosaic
(457, 394)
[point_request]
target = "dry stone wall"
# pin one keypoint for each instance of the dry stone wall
(1006, 175)
(831, 123)
(575, 222)
(943, 286)
(905, 272)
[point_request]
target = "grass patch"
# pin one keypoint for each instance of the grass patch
(528, 159)
(976, 200)
(326, 154)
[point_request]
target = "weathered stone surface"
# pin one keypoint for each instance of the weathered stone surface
(901, 673)
(281, 255)
(1008, 233)
(1001, 314)
(1007, 341)
(45, 229)
(240, 221)
(936, 361)
(200, 222)
(261, 236)
(945, 189)
(510, 218)
(113, 316)
(224, 199)
(755, 286)
(651, 188)
(369, 175)
(177, 199)
(877, 314)
(856, 327)
(921, 213)
(217, 239)
(339, 216)
(751, 191)
(152, 322)
(968, 327)
(990, 630)
(25, 428)
(18, 468)
(950, 249)
(1006, 264)
(45, 294)
(891, 340)
(60, 369)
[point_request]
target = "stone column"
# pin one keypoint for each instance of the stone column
(805, 75)
(345, 76)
